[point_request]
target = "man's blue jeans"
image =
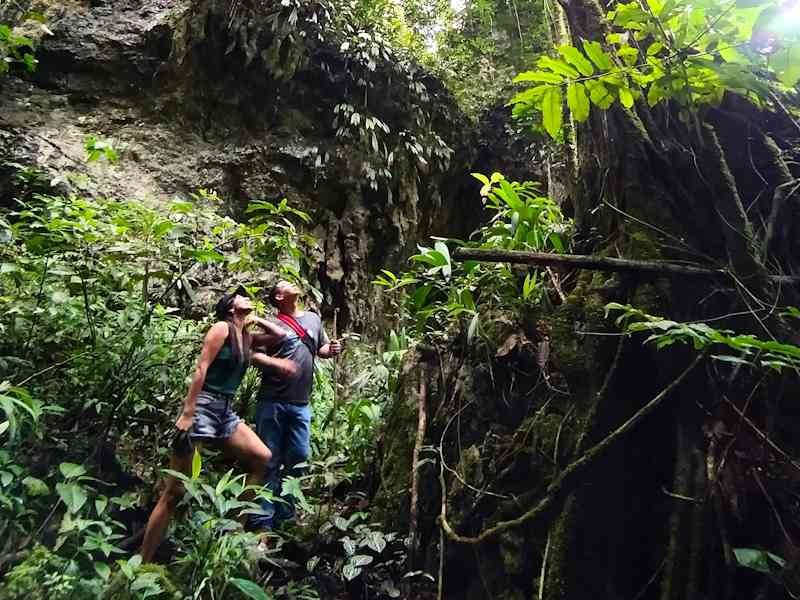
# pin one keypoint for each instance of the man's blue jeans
(286, 430)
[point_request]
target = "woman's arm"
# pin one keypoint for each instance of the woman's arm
(284, 366)
(272, 333)
(212, 344)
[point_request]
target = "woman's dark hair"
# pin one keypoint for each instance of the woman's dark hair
(272, 296)
(223, 313)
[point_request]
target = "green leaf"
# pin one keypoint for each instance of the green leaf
(654, 48)
(35, 487)
(447, 267)
(103, 570)
(786, 63)
(472, 329)
(552, 111)
(539, 77)
(249, 588)
(291, 487)
(599, 95)
(197, 463)
(375, 541)
(558, 66)
(625, 97)
(350, 571)
(758, 560)
(578, 102)
(595, 52)
(577, 59)
(71, 470)
(73, 495)
(100, 505)
(360, 560)
(481, 177)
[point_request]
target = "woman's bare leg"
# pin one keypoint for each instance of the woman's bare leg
(248, 448)
(160, 517)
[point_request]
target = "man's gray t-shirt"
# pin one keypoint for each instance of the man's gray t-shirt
(295, 390)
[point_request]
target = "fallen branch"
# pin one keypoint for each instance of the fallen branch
(567, 478)
(598, 263)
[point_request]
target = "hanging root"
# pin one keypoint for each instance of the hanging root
(569, 476)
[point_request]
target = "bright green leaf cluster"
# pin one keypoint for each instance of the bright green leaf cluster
(687, 51)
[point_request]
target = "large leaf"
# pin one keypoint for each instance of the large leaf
(786, 63)
(578, 102)
(552, 111)
(625, 97)
(600, 95)
(249, 588)
(73, 495)
(595, 51)
(71, 470)
(375, 541)
(539, 77)
(758, 560)
(558, 66)
(577, 59)
(444, 251)
(197, 463)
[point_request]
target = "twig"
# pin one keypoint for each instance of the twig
(651, 580)
(556, 284)
(569, 476)
(773, 507)
(543, 572)
(421, 425)
(558, 434)
(50, 368)
(442, 515)
(762, 435)
(680, 496)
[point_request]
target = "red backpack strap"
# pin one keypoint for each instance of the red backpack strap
(301, 333)
(293, 324)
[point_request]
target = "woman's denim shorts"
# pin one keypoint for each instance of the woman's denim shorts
(214, 419)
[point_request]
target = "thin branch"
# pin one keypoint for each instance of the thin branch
(773, 507)
(762, 435)
(422, 420)
(569, 476)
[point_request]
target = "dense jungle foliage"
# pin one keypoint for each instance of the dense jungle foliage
(105, 301)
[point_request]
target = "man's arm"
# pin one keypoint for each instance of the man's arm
(328, 348)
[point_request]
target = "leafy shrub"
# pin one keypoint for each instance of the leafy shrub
(46, 576)
(439, 294)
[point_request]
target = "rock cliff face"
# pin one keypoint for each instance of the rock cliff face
(236, 97)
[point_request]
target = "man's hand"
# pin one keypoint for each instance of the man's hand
(335, 347)
(184, 422)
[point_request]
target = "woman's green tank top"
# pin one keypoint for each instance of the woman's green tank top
(227, 370)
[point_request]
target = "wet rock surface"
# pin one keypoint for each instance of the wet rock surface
(166, 83)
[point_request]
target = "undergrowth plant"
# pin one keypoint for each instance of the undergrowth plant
(439, 293)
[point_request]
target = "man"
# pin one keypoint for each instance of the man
(283, 414)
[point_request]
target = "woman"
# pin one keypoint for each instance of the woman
(207, 415)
